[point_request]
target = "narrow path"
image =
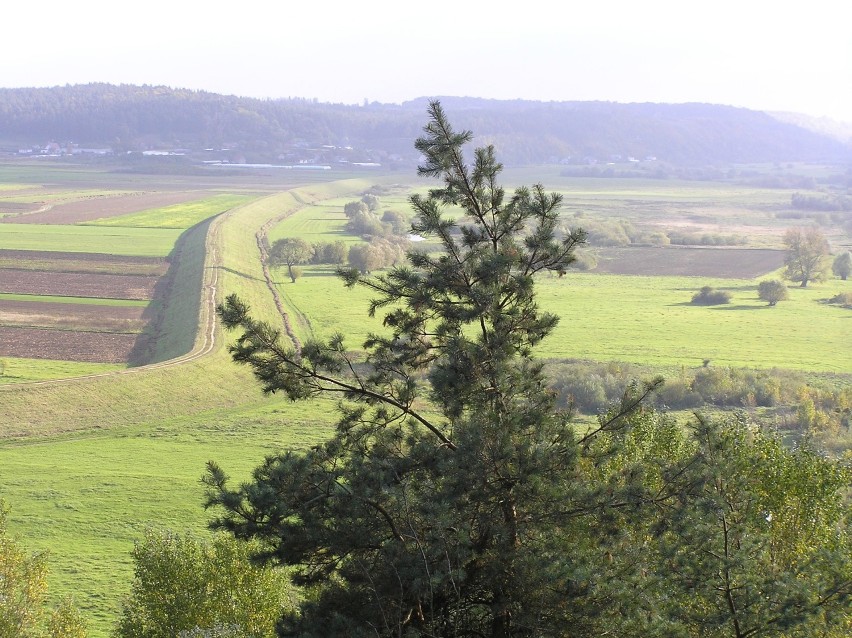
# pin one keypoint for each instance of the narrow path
(262, 238)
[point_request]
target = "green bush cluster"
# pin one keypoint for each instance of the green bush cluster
(680, 238)
(709, 296)
(591, 388)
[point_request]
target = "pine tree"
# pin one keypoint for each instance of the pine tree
(452, 482)
(454, 499)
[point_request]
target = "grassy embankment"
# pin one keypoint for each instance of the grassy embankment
(87, 464)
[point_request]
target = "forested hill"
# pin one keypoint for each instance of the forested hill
(129, 117)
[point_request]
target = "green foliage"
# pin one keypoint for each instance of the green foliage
(66, 621)
(289, 252)
(708, 296)
(379, 253)
(806, 252)
(23, 593)
(772, 291)
(329, 253)
(842, 265)
(761, 546)
(436, 517)
(23, 586)
(372, 202)
(183, 584)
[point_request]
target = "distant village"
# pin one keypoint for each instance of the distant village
(299, 155)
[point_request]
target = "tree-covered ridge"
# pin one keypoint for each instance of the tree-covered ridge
(128, 117)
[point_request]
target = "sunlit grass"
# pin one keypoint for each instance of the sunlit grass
(148, 242)
(19, 370)
(182, 215)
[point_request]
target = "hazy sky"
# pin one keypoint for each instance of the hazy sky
(771, 55)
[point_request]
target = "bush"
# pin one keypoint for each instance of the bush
(185, 584)
(843, 299)
(708, 296)
(772, 291)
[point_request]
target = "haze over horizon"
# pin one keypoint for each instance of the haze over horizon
(758, 55)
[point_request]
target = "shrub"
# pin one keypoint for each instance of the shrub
(772, 291)
(204, 588)
(709, 296)
(843, 299)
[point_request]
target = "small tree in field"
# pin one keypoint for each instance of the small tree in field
(772, 291)
(842, 266)
(807, 249)
(290, 251)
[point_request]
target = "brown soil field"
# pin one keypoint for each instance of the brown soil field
(738, 263)
(84, 210)
(71, 316)
(13, 209)
(36, 282)
(82, 262)
(93, 347)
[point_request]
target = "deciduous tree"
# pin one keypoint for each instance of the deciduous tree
(23, 594)
(842, 265)
(187, 586)
(806, 252)
(290, 251)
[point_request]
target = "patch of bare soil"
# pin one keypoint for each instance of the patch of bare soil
(64, 345)
(101, 206)
(734, 263)
(105, 286)
(82, 262)
(70, 316)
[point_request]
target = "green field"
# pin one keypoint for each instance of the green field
(135, 242)
(178, 216)
(87, 464)
(16, 370)
(94, 301)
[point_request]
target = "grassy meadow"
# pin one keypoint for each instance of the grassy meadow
(136, 242)
(86, 464)
(177, 216)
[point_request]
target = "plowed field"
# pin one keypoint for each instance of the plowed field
(104, 286)
(737, 263)
(93, 347)
(81, 262)
(71, 316)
